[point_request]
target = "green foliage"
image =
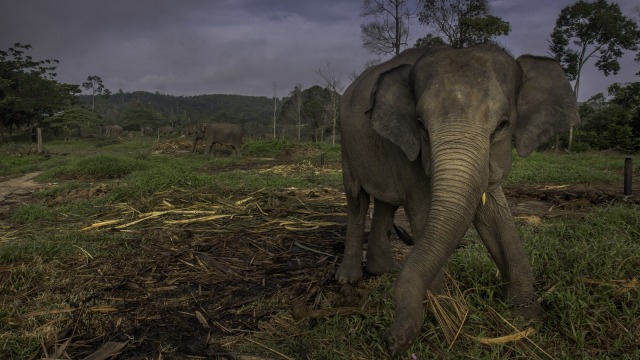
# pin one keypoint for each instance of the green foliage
(73, 119)
(141, 108)
(267, 148)
(614, 123)
(314, 112)
(460, 23)
(96, 167)
(137, 114)
(94, 83)
(429, 41)
(28, 91)
(595, 29)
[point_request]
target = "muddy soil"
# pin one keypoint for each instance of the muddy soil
(194, 292)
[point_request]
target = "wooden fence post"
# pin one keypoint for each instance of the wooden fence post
(628, 162)
(39, 141)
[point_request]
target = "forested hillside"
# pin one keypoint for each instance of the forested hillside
(132, 110)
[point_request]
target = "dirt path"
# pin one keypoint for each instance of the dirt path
(15, 190)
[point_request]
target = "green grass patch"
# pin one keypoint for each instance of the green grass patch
(17, 159)
(582, 168)
(96, 167)
(262, 148)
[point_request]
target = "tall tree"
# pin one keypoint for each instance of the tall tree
(330, 80)
(388, 31)
(94, 83)
(460, 23)
(29, 92)
(275, 107)
(636, 12)
(298, 98)
(592, 30)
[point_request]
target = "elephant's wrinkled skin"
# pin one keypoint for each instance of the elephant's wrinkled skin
(112, 130)
(432, 130)
(218, 133)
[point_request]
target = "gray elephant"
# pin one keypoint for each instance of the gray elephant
(218, 133)
(432, 130)
(112, 130)
(165, 130)
(146, 131)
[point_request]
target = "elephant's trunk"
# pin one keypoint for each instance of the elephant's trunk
(459, 176)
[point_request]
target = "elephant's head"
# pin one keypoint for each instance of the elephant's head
(477, 100)
(459, 111)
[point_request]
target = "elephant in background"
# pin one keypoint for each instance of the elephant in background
(165, 130)
(432, 130)
(218, 133)
(146, 131)
(112, 130)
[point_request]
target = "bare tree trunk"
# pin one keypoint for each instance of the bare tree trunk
(333, 85)
(275, 103)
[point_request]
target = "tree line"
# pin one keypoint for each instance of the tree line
(586, 33)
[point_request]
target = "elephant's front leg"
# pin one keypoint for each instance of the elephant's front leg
(208, 150)
(494, 223)
(379, 259)
(350, 269)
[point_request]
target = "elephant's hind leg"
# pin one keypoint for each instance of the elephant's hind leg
(350, 270)
(379, 258)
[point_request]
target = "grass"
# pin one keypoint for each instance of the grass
(585, 268)
(581, 168)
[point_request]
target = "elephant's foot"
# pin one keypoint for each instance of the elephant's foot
(349, 271)
(381, 265)
(523, 301)
(403, 331)
(529, 309)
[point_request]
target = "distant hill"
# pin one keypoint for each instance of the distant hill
(154, 109)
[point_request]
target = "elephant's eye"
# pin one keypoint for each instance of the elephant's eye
(503, 124)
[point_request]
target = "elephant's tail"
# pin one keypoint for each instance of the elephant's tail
(403, 235)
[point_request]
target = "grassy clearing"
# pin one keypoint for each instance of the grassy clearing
(586, 268)
(581, 168)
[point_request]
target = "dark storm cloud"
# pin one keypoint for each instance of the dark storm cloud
(231, 46)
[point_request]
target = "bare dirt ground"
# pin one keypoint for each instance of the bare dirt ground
(194, 291)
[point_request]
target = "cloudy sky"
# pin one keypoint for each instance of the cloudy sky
(193, 47)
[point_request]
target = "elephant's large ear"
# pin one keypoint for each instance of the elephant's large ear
(393, 110)
(546, 103)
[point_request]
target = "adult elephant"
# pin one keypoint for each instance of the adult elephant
(218, 133)
(146, 131)
(112, 130)
(432, 130)
(165, 130)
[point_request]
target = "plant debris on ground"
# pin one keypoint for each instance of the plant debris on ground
(182, 274)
